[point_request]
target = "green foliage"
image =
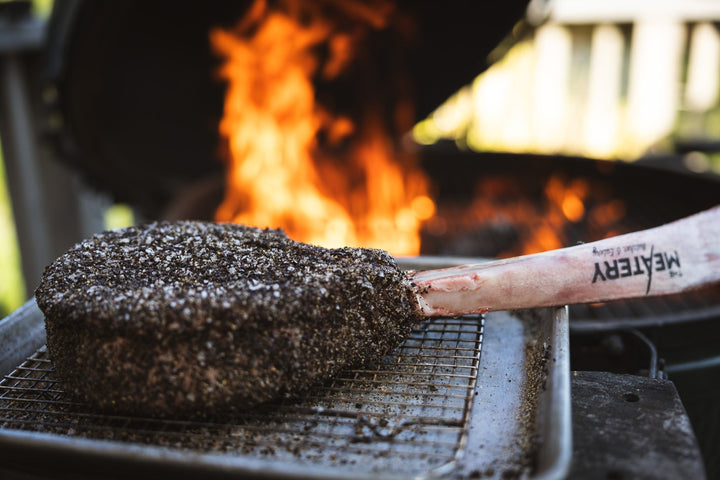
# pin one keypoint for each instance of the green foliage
(12, 289)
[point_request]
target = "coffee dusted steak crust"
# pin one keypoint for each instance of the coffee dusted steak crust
(193, 319)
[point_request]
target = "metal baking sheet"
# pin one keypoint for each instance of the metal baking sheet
(463, 397)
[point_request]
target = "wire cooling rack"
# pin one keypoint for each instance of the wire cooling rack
(408, 415)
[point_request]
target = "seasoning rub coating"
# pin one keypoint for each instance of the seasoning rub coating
(190, 319)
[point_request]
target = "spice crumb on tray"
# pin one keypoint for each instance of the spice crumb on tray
(190, 319)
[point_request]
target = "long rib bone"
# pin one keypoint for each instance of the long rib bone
(678, 256)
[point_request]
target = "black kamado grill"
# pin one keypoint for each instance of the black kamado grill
(470, 397)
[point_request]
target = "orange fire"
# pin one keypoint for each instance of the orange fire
(568, 202)
(278, 174)
(509, 216)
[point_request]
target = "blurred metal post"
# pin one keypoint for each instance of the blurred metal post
(51, 207)
(20, 34)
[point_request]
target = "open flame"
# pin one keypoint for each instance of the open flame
(508, 217)
(278, 173)
(335, 179)
(567, 202)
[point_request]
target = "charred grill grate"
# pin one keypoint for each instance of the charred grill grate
(686, 307)
(408, 415)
